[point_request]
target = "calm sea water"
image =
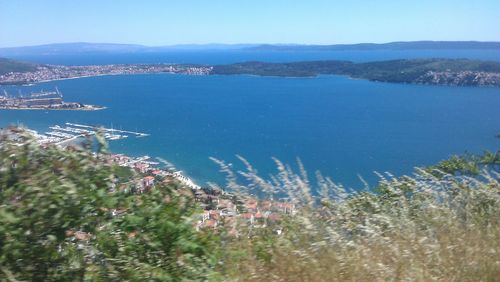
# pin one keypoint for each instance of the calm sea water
(341, 126)
(234, 56)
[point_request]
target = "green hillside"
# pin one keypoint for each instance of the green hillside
(8, 65)
(399, 71)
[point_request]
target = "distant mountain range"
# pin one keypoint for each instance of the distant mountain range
(83, 47)
(410, 45)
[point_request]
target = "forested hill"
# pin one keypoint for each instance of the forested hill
(461, 72)
(8, 65)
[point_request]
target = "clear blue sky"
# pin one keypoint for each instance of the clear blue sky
(150, 22)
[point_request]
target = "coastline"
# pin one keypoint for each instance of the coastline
(432, 71)
(31, 83)
(78, 77)
(141, 163)
(59, 72)
(85, 108)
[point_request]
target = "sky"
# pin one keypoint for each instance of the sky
(170, 22)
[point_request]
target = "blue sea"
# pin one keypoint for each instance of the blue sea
(343, 127)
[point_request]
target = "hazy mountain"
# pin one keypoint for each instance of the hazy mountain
(411, 45)
(83, 47)
(211, 46)
(69, 48)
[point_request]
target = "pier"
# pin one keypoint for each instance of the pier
(111, 130)
(63, 135)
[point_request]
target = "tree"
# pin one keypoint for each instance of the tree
(62, 220)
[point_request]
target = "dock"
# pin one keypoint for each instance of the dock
(112, 130)
(62, 135)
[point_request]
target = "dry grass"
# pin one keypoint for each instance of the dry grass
(419, 228)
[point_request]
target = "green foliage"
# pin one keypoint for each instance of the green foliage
(154, 240)
(466, 164)
(489, 158)
(62, 219)
(44, 193)
(122, 173)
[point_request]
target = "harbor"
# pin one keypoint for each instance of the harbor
(70, 132)
(51, 100)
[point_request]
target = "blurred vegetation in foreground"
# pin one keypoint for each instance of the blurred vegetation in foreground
(63, 219)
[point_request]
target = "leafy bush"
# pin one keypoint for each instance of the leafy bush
(63, 219)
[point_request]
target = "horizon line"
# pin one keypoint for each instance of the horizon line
(236, 44)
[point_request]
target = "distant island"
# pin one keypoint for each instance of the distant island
(453, 72)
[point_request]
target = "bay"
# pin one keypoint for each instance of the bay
(340, 126)
(343, 127)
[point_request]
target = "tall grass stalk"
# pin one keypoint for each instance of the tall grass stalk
(412, 228)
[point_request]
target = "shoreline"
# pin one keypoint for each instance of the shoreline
(31, 83)
(90, 109)
(130, 161)
(49, 73)
(313, 76)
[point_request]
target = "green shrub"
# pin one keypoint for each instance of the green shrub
(63, 219)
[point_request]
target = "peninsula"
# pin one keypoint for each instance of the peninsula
(453, 72)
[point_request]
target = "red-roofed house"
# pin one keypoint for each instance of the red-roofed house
(148, 181)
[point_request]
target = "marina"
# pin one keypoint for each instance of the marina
(69, 132)
(112, 130)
